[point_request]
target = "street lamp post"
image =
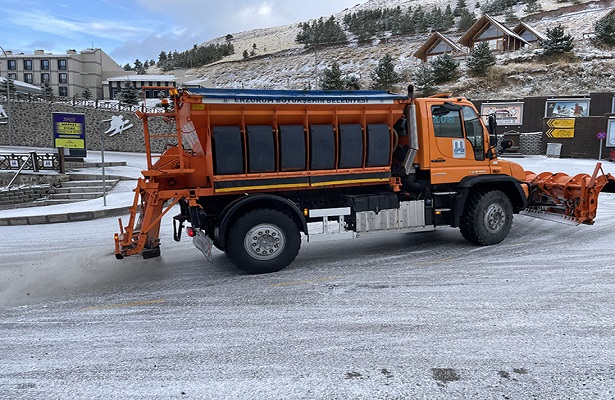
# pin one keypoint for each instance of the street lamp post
(8, 98)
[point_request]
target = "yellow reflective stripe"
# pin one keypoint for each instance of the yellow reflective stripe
(243, 188)
(345, 182)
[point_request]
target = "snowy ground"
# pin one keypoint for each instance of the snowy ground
(396, 316)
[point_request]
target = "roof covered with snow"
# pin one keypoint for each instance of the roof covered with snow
(23, 87)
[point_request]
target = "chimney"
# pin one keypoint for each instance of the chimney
(39, 52)
(71, 51)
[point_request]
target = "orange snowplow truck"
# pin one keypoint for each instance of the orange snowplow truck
(252, 171)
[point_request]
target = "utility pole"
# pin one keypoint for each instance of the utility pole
(8, 99)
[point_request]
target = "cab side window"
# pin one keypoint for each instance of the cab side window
(474, 132)
(446, 123)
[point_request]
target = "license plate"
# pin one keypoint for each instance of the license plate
(203, 243)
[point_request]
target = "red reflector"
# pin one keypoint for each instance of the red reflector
(191, 231)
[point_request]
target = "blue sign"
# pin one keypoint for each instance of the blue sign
(69, 132)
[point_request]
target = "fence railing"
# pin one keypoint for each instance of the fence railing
(112, 105)
(33, 161)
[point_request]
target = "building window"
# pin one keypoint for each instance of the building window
(13, 76)
(27, 78)
(62, 78)
(62, 65)
(63, 90)
(27, 65)
(45, 65)
(12, 65)
(44, 77)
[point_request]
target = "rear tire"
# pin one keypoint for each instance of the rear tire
(487, 218)
(263, 241)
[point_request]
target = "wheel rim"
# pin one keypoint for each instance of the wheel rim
(264, 242)
(495, 218)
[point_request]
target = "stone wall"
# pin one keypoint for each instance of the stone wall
(29, 178)
(21, 196)
(32, 126)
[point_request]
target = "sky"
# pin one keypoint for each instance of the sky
(140, 29)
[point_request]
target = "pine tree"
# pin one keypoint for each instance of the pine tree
(604, 30)
(384, 76)
(138, 67)
(436, 19)
(162, 59)
(510, 16)
(128, 95)
(532, 6)
(127, 67)
(461, 4)
(246, 55)
(557, 42)
(352, 82)
(332, 78)
(449, 18)
(444, 68)
(466, 20)
(47, 90)
(424, 80)
(481, 59)
(87, 93)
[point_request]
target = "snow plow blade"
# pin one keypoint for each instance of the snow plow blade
(562, 198)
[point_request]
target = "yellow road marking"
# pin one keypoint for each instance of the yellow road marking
(131, 304)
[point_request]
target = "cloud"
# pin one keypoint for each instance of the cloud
(130, 29)
(74, 28)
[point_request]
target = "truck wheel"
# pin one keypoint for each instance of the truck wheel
(487, 218)
(263, 241)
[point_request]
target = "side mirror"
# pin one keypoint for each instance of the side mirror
(491, 124)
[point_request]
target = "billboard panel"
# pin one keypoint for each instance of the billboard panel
(69, 132)
(505, 113)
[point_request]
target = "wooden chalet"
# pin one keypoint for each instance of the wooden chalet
(487, 29)
(437, 45)
(531, 35)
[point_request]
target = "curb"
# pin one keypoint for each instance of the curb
(67, 217)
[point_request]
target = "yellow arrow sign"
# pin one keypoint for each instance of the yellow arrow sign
(561, 123)
(560, 133)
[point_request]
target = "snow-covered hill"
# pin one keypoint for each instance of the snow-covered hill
(281, 63)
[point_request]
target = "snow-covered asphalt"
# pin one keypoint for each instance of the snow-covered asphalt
(398, 316)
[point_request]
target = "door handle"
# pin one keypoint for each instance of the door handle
(438, 160)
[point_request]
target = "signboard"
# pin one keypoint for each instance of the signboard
(505, 113)
(567, 108)
(563, 123)
(560, 128)
(69, 132)
(560, 133)
(610, 133)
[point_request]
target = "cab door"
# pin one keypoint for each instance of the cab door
(458, 143)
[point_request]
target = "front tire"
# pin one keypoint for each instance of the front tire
(263, 241)
(487, 218)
